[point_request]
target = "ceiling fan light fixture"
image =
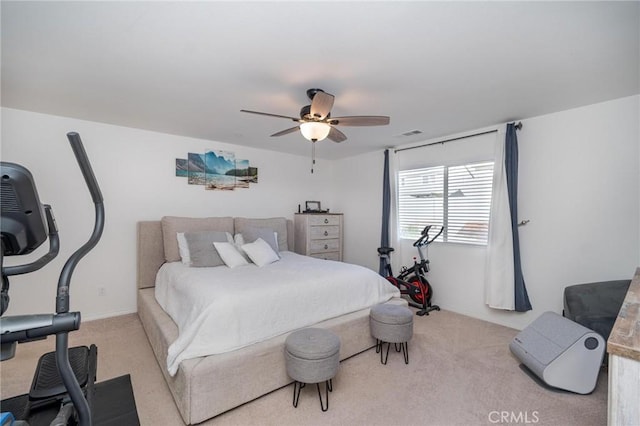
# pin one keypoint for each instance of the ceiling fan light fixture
(315, 131)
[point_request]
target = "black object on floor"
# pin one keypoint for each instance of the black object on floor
(113, 405)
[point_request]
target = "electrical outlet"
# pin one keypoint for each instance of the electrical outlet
(102, 291)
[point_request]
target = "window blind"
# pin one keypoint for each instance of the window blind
(456, 197)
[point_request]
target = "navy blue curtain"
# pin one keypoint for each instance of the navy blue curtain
(511, 168)
(386, 211)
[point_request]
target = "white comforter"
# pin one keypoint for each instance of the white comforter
(222, 309)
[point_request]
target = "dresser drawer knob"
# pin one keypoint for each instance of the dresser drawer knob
(326, 233)
(326, 220)
(326, 246)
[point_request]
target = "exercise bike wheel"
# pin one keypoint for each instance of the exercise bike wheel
(425, 290)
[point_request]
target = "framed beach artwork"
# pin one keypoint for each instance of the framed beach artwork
(195, 169)
(219, 169)
(241, 173)
(253, 174)
(181, 167)
(216, 170)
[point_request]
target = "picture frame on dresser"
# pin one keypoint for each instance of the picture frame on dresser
(312, 207)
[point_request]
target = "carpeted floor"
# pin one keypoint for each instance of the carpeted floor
(460, 373)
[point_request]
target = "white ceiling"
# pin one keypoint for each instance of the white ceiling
(187, 68)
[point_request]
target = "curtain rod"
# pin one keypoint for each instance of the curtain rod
(517, 126)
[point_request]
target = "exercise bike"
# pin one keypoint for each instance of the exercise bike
(63, 391)
(412, 281)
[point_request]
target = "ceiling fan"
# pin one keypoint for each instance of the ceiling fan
(316, 122)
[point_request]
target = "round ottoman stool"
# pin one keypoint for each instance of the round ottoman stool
(312, 355)
(391, 324)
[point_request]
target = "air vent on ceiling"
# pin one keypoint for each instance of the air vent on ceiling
(409, 133)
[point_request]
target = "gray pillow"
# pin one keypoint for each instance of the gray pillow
(201, 249)
(278, 224)
(249, 235)
(171, 225)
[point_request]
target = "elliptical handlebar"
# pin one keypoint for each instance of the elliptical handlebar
(54, 249)
(62, 298)
(85, 166)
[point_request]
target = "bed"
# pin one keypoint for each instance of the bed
(204, 386)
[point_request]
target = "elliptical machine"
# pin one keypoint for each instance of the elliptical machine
(412, 281)
(63, 390)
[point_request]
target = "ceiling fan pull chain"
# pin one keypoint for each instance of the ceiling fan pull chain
(313, 155)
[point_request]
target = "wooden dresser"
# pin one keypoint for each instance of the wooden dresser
(624, 360)
(319, 235)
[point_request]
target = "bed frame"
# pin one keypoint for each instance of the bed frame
(207, 386)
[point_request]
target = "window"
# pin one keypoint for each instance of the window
(456, 197)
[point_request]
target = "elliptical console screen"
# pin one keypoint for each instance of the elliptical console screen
(23, 224)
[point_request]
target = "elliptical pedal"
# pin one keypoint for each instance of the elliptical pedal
(47, 382)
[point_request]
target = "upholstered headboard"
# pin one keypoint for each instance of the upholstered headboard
(151, 242)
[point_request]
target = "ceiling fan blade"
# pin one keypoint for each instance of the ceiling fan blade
(287, 131)
(336, 135)
(270, 115)
(360, 120)
(321, 104)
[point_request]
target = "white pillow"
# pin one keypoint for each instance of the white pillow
(230, 255)
(269, 236)
(260, 252)
(183, 248)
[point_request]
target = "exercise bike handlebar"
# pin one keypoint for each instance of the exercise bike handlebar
(424, 238)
